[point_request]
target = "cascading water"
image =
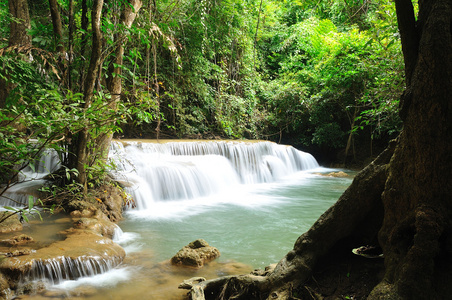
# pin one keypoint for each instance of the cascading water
(30, 180)
(56, 270)
(188, 170)
(251, 200)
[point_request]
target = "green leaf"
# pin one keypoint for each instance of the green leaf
(30, 202)
(10, 208)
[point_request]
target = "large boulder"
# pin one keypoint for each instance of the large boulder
(195, 254)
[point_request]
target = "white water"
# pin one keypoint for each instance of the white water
(250, 200)
(195, 171)
(30, 180)
(57, 270)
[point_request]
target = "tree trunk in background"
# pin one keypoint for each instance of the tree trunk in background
(57, 26)
(18, 29)
(114, 85)
(82, 157)
(18, 37)
(84, 23)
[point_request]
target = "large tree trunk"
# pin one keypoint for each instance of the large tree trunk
(18, 28)
(407, 200)
(416, 232)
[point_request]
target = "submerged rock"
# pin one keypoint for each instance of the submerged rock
(334, 174)
(17, 240)
(195, 254)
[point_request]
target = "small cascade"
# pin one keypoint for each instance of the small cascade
(63, 268)
(188, 170)
(30, 180)
(48, 162)
(19, 193)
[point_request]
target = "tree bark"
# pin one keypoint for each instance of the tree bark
(416, 232)
(18, 37)
(128, 15)
(18, 28)
(57, 25)
(90, 81)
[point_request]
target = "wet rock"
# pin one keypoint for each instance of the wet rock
(81, 247)
(195, 254)
(84, 213)
(5, 291)
(109, 199)
(17, 240)
(19, 252)
(11, 222)
(112, 199)
(334, 174)
(337, 174)
(31, 288)
(98, 223)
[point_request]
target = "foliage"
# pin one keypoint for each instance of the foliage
(311, 73)
(331, 82)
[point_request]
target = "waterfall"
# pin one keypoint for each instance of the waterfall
(30, 180)
(62, 268)
(177, 170)
(186, 170)
(19, 193)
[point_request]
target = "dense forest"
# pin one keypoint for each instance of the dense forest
(336, 78)
(324, 76)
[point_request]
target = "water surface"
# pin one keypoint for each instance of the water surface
(251, 201)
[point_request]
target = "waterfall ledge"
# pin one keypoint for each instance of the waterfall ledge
(85, 250)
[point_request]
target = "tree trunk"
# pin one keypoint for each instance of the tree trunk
(128, 15)
(57, 26)
(406, 201)
(18, 37)
(90, 81)
(416, 232)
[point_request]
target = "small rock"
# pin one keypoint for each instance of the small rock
(333, 174)
(17, 240)
(20, 252)
(195, 254)
(337, 174)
